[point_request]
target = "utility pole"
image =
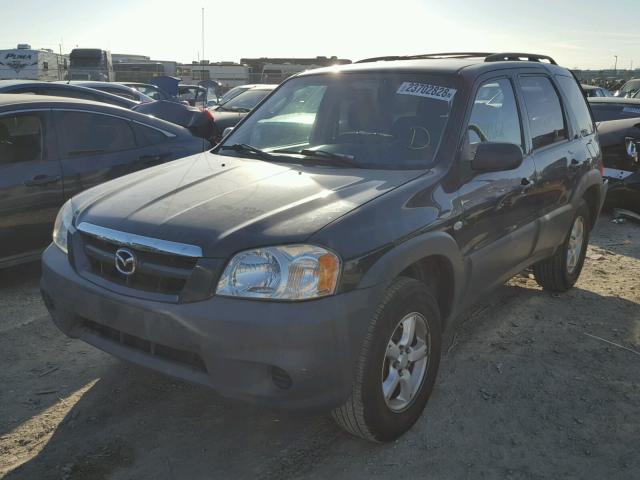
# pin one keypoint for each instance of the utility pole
(616, 64)
(202, 43)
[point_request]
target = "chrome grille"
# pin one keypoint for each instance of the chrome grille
(158, 271)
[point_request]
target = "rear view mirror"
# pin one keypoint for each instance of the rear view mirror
(494, 157)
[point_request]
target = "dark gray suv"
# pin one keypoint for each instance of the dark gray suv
(314, 257)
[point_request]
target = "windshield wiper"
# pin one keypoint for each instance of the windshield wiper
(339, 159)
(243, 147)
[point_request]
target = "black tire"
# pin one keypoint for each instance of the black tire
(365, 413)
(552, 274)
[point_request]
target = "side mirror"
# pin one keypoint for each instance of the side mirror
(227, 131)
(495, 157)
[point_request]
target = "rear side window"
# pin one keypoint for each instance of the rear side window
(63, 92)
(118, 92)
(494, 117)
(148, 136)
(84, 134)
(21, 138)
(577, 104)
(544, 111)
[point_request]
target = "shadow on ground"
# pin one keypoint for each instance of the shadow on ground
(522, 393)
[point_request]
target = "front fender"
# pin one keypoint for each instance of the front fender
(400, 256)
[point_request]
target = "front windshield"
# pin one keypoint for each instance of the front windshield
(245, 101)
(630, 88)
(377, 120)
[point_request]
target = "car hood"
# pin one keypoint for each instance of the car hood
(227, 204)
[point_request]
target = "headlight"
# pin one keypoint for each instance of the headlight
(61, 227)
(292, 272)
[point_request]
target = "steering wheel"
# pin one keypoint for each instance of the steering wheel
(476, 129)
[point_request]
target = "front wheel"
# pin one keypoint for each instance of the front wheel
(561, 271)
(398, 364)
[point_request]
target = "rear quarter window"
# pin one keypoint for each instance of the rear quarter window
(577, 104)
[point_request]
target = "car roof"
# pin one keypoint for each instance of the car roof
(21, 98)
(46, 101)
(452, 64)
(615, 100)
(65, 86)
(90, 83)
(263, 87)
(589, 87)
(7, 83)
(137, 83)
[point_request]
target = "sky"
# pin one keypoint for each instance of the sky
(582, 34)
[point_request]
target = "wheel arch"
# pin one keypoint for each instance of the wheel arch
(433, 258)
(590, 189)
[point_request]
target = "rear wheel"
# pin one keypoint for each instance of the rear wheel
(561, 271)
(398, 364)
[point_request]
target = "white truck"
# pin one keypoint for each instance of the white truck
(25, 63)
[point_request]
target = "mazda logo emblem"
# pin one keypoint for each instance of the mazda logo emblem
(125, 261)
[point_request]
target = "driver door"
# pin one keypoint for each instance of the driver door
(499, 225)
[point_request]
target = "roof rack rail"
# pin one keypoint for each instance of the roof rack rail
(518, 57)
(427, 56)
(488, 57)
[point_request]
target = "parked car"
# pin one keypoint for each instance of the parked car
(113, 88)
(314, 258)
(229, 113)
(199, 122)
(152, 91)
(620, 141)
(614, 108)
(629, 89)
(198, 95)
(235, 91)
(64, 90)
(52, 148)
(593, 91)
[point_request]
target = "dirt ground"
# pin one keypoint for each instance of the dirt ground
(531, 386)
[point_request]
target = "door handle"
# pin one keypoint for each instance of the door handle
(41, 180)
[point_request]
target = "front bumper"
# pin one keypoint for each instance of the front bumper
(290, 355)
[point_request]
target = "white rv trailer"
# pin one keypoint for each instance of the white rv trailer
(24, 63)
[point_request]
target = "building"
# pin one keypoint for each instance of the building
(275, 70)
(142, 72)
(140, 68)
(227, 74)
(26, 63)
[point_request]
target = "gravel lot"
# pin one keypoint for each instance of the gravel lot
(532, 385)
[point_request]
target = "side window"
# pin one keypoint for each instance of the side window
(148, 136)
(21, 138)
(93, 134)
(495, 117)
(577, 104)
(546, 120)
(119, 93)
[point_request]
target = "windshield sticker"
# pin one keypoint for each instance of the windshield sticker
(631, 109)
(426, 90)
